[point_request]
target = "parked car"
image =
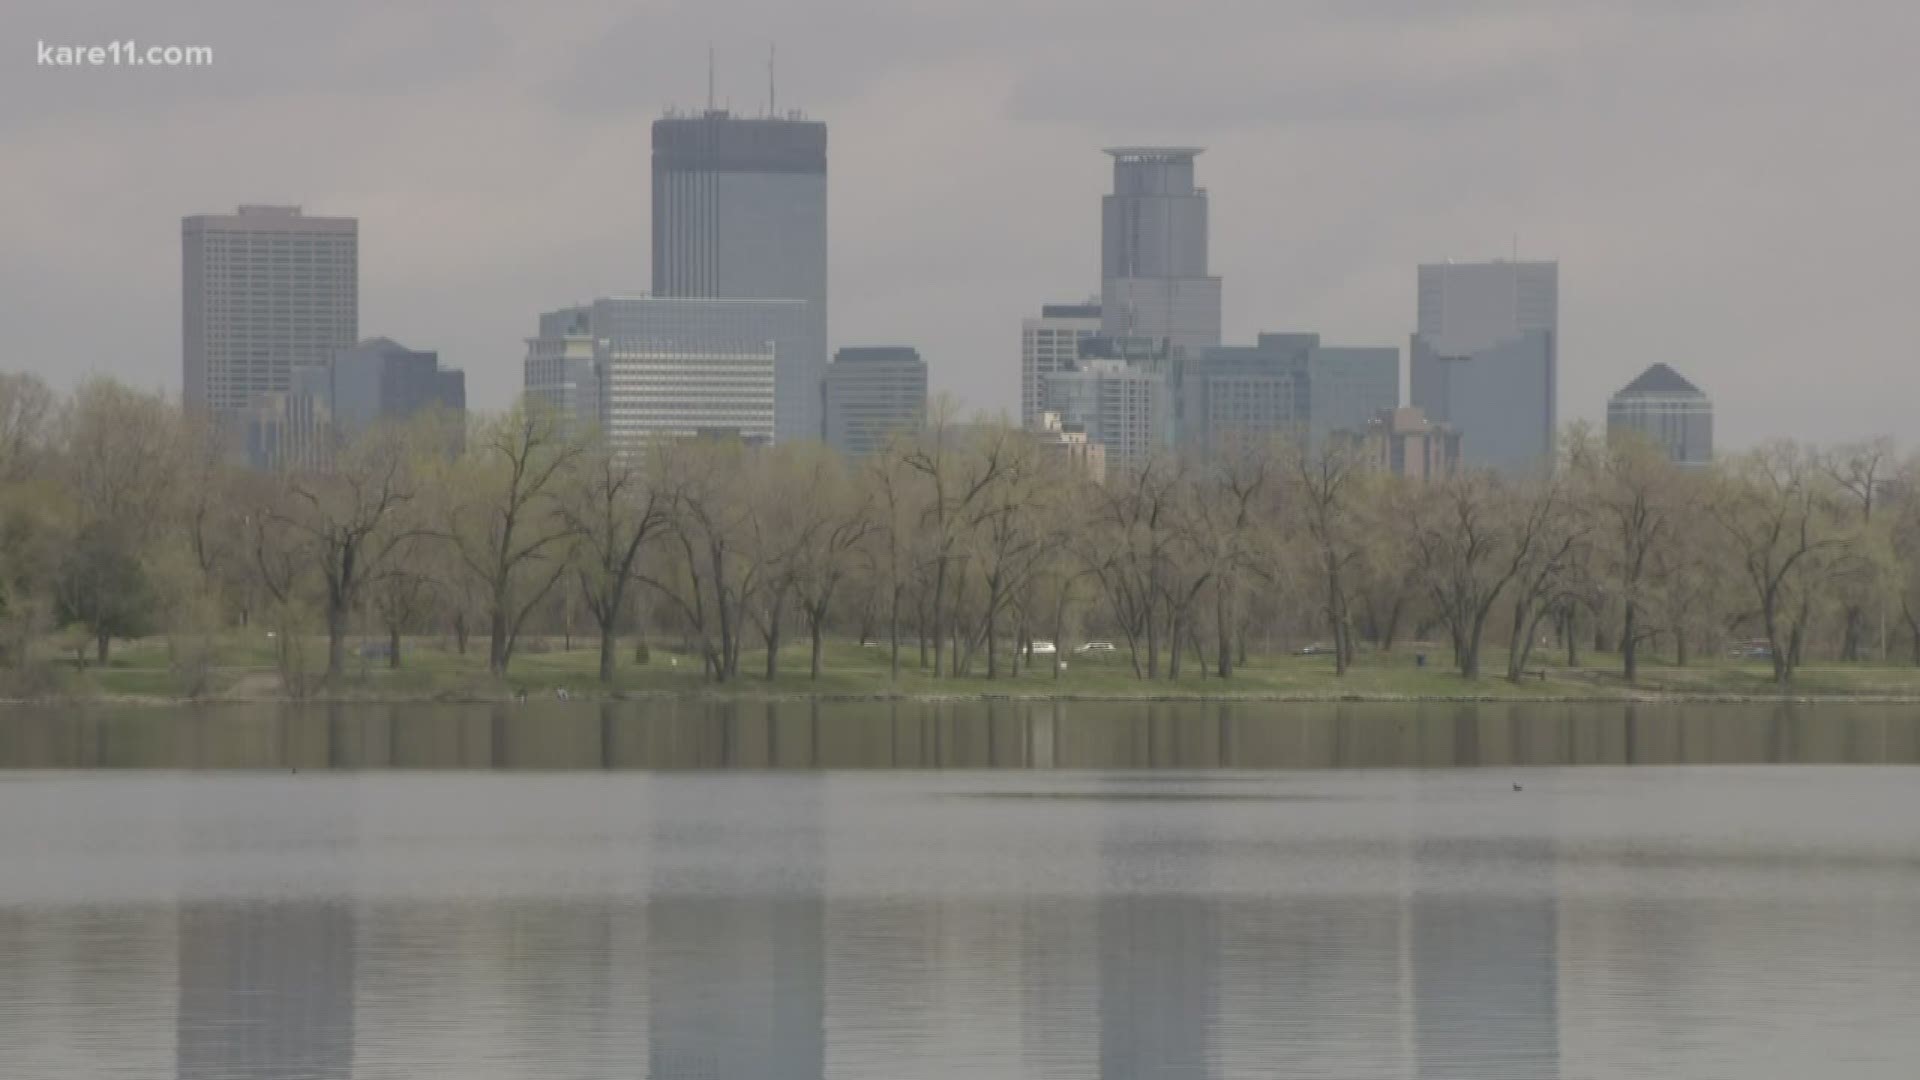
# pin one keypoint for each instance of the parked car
(869, 643)
(1095, 646)
(1042, 648)
(1315, 649)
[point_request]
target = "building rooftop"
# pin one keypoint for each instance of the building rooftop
(1660, 379)
(1155, 153)
(1084, 310)
(872, 354)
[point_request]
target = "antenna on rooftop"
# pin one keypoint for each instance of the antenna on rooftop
(709, 76)
(771, 99)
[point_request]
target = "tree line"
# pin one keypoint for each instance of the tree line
(121, 516)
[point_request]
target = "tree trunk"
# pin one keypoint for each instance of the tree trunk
(993, 631)
(1679, 647)
(773, 635)
(336, 638)
(1392, 629)
(496, 640)
(939, 595)
(1630, 643)
(1337, 617)
(1571, 632)
(1223, 631)
(460, 633)
(818, 627)
(101, 642)
(609, 642)
(393, 647)
(893, 636)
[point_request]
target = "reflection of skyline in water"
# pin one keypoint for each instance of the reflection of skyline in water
(735, 966)
(266, 989)
(1159, 944)
(1113, 925)
(1485, 964)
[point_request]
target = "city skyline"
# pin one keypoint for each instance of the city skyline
(1326, 185)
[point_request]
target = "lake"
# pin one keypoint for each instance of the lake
(961, 890)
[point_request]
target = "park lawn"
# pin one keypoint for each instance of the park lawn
(242, 665)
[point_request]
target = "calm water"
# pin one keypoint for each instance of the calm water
(1239, 909)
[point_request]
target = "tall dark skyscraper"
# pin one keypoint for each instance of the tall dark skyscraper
(1153, 250)
(740, 213)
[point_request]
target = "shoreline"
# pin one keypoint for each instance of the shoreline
(754, 696)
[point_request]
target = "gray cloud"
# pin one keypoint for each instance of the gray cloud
(1728, 186)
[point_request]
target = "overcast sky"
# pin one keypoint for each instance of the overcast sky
(1732, 188)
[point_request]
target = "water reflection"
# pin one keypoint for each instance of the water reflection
(1485, 963)
(800, 923)
(803, 734)
(266, 989)
(735, 964)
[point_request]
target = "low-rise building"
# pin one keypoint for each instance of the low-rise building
(1067, 445)
(1405, 443)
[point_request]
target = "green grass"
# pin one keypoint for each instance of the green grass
(243, 666)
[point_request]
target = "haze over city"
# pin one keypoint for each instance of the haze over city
(1698, 173)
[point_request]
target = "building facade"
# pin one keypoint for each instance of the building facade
(1124, 407)
(1051, 343)
(1485, 359)
(1068, 445)
(381, 379)
(558, 372)
(1153, 250)
(871, 395)
(264, 290)
(740, 213)
(639, 367)
(1663, 407)
(1407, 444)
(1284, 384)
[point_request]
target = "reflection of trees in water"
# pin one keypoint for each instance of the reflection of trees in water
(804, 733)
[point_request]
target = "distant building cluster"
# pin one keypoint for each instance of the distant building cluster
(270, 324)
(733, 338)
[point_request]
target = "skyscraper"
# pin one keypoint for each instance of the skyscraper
(1048, 344)
(264, 290)
(1668, 410)
(740, 213)
(1153, 250)
(1485, 358)
(872, 394)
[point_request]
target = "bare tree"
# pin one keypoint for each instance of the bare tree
(1776, 509)
(1549, 537)
(837, 519)
(613, 509)
(1465, 555)
(347, 519)
(508, 526)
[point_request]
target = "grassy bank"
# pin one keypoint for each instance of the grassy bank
(242, 668)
